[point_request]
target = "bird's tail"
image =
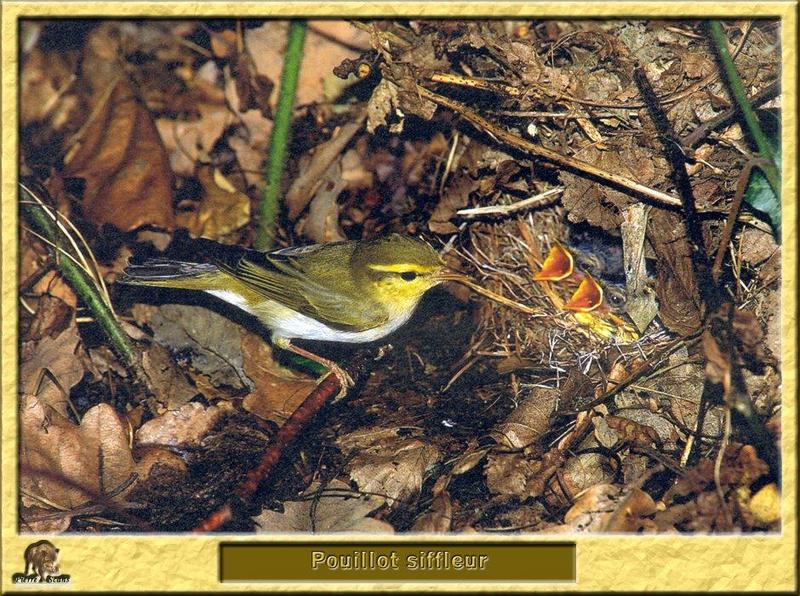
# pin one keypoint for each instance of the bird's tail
(172, 274)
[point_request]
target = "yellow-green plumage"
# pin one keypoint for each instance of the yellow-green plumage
(354, 291)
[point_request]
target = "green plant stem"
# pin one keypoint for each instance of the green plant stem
(279, 138)
(79, 282)
(740, 97)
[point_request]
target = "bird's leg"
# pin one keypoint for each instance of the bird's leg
(345, 381)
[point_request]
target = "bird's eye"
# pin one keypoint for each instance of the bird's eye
(616, 299)
(409, 275)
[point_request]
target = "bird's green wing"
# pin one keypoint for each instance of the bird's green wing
(313, 281)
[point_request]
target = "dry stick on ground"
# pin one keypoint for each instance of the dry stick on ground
(670, 98)
(358, 369)
(709, 293)
(543, 199)
(735, 395)
(726, 117)
(521, 144)
(736, 205)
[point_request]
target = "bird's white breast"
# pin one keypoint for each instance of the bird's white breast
(287, 323)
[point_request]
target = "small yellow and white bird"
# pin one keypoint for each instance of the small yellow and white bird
(351, 292)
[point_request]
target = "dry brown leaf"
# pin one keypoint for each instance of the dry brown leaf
(43, 80)
(676, 286)
(325, 513)
(167, 380)
(222, 209)
(321, 54)
(210, 340)
(508, 474)
(186, 426)
(528, 421)
(67, 464)
(253, 89)
(439, 516)
(630, 515)
(766, 505)
(277, 390)
(120, 156)
(32, 260)
(322, 224)
(599, 204)
(383, 463)
(309, 179)
(381, 104)
(51, 367)
(188, 142)
(53, 315)
(593, 508)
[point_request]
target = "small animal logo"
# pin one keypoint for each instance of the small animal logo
(41, 565)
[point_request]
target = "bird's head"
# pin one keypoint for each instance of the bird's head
(398, 270)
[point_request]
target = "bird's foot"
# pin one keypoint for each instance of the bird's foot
(345, 380)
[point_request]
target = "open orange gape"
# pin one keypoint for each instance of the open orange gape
(601, 309)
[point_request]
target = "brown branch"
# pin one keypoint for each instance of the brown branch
(326, 391)
(708, 291)
(521, 144)
(700, 133)
(733, 215)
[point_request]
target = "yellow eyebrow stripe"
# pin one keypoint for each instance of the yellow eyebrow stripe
(403, 267)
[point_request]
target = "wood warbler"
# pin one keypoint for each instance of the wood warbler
(352, 292)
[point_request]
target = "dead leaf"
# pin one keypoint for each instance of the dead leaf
(51, 367)
(508, 474)
(381, 104)
(593, 508)
(322, 224)
(383, 463)
(676, 286)
(188, 142)
(67, 464)
(253, 89)
(32, 259)
(321, 54)
(118, 152)
(222, 209)
(43, 80)
(439, 516)
(528, 421)
(599, 204)
(766, 505)
(325, 513)
(210, 340)
(308, 180)
(167, 380)
(186, 426)
(53, 315)
(277, 391)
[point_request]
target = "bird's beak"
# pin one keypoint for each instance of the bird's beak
(449, 275)
(588, 296)
(557, 266)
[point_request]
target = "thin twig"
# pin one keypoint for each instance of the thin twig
(543, 199)
(700, 133)
(741, 187)
(708, 292)
(521, 144)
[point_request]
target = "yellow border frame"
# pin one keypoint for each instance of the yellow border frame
(630, 563)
